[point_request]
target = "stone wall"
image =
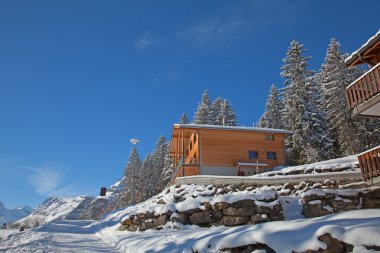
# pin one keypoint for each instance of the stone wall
(241, 212)
(319, 202)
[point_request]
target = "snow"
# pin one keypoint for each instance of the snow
(360, 227)
(10, 215)
(295, 233)
(242, 128)
(361, 50)
(349, 163)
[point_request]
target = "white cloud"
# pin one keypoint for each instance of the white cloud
(45, 180)
(146, 42)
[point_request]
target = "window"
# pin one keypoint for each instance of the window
(269, 137)
(195, 138)
(253, 154)
(271, 155)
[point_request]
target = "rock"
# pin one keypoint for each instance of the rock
(276, 216)
(289, 186)
(235, 220)
(315, 209)
(342, 205)
(147, 224)
(259, 218)
(217, 215)
(263, 209)
(191, 211)
(334, 245)
(161, 220)
(132, 228)
(370, 203)
(200, 218)
(161, 202)
(220, 206)
(207, 205)
(242, 211)
(123, 227)
(127, 221)
(244, 203)
(317, 196)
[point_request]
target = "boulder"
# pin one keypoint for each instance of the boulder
(315, 208)
(147, 224)
(342, 205)
(242, 211)
(220, 206)
(235, 220)
(161, 220)
(259, 218)
(200, 218)
(244, 203)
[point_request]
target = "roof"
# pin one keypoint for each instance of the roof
(232, 128)
(364, 51)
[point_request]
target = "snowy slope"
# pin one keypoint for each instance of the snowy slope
(77, 208)
(10, 215)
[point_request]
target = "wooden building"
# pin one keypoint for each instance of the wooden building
(363, 99)
(225, 150)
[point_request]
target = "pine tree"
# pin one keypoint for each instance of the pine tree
(159, 156)
(203, 113)
(349, 135)
(295, 73)
(183, 119)
(228, 114)
(272, 117)
(132, 173)
(216, 111)
(314, 124)
(147, 179)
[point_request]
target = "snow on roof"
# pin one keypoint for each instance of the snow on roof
(240, 128)
(374, 39)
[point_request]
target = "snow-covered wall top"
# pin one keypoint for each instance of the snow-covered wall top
(240, 128)
(374, 39)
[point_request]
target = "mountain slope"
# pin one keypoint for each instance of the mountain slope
(10, 215)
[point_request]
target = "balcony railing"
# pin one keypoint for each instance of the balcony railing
(369, 162)
(364, 88)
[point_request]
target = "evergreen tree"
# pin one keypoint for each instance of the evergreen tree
(314, 124)
(132, 173)
(216, 111)
(228, 114)
(159, 156)
(349, 135)
(183, 119)
(203, 113)
(272, 117)
(295, 73)
(147, 179)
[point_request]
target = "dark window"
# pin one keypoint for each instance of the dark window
(195, 138)
(253, 154)
(271, 155)
(269, 137)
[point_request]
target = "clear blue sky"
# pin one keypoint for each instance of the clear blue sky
(79, 79)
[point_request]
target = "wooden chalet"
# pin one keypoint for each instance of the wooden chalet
(225, 150)
(363, 99)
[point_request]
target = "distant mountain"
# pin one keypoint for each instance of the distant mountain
(77, 208)
(10, 215)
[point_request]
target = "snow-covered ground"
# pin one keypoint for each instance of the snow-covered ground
(360, 227)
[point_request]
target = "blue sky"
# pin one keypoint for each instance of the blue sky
(79, 79)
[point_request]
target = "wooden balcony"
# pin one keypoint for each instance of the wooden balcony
(369, 162)
(363, 95)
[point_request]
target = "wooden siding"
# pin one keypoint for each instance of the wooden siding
(225, 148)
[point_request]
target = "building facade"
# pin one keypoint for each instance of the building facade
(225, 150)
(363, 99)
